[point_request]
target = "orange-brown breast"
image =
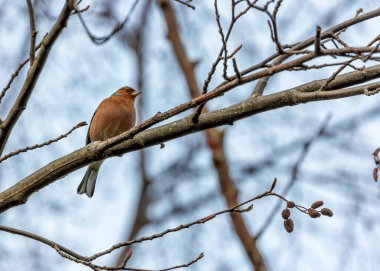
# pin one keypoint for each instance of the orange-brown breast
(114, 116)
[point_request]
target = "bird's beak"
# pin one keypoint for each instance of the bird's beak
(136, 93)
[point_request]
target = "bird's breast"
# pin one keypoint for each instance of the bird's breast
(113, 117)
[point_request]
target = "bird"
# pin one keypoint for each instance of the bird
(114, 115)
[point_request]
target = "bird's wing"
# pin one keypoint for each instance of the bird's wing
(88, 131)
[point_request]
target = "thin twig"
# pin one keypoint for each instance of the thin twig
(81, 10)
(295, 171)
(181, 227)
(75, 257)
(13, 77)
(200, 256)
(261, 85)
(33, 74)
(41, 240)
(317, 44)
(234, 209)
(101, 40)
(33, 32)
(236, 69)
(37, 146)
(224, 42)
(198, 109)
(187, 3)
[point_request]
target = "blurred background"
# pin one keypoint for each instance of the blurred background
(316, 151)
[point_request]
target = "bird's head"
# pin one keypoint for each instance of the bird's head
(127, 92)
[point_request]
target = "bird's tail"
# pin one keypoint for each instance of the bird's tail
(89, 180)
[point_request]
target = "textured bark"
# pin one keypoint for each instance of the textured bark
(19, 193)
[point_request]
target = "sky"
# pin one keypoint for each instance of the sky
(79, 74)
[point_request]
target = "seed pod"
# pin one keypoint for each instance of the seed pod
(285, 213)
(290, 204)
(327, 212)
(289, 225)
(313, 213)
(317, 204)
(375, 173)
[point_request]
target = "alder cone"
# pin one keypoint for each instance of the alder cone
(313, 213)
(289, 225)
(285, 213)
(327, 212)
(317, 204)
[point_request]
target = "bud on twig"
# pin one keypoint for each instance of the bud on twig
(273, 185)
(291, 204)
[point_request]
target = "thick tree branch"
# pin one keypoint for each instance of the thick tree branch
(19, 193)
(33, 74)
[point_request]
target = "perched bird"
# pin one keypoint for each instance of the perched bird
(113, 116)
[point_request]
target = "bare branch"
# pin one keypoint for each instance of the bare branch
(187, 3)
(41, 240)
(33, 32)
(259, 89)
(235, 209)
(236, 69)
(13, 77)
(19, 193)
(317, 44)
(101, 40)
(37, 146)
(75, 257)
(295, 171)
(33, 74)
(87, 261)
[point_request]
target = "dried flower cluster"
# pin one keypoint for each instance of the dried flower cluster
(312, 212)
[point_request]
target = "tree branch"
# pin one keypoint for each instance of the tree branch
(103, 39)
(75, 257)
(33, 32)
(33, 74)
(260, 86)
(87, 261)
(187, 3)
(19, 193)
(36, 146)
(214, 138)
(13, 77)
